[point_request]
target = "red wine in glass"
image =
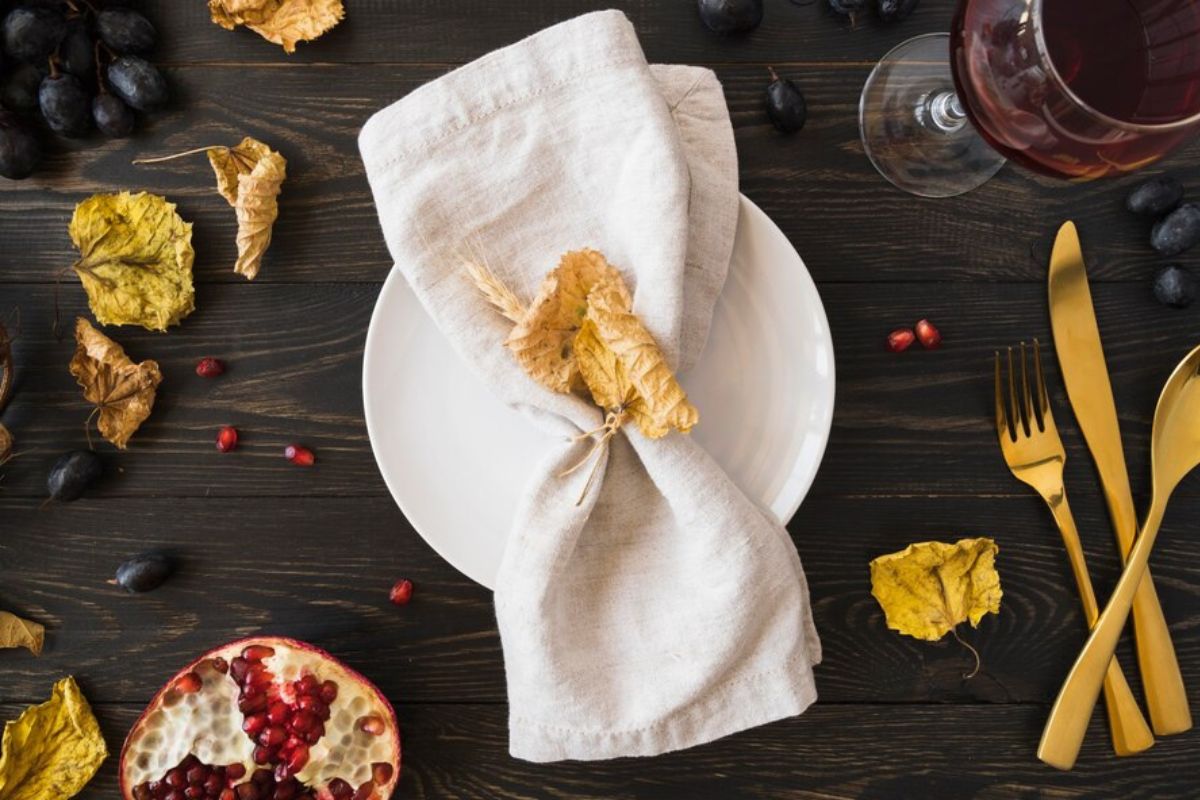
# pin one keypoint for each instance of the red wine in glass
(1079, 89)
(1072, 88)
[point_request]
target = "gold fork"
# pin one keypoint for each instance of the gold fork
(1034, 452)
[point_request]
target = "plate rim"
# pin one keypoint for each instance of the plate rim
(802, 486)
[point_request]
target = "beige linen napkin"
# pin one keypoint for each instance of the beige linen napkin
(666, 609)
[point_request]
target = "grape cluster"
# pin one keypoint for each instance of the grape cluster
(77, 66)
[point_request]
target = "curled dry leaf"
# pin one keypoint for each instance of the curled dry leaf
(17, 632)
(135, 259)
(250, 176)
(543, 341)
(284, 22)
(929, 588)
(52, 750)
(122, 391)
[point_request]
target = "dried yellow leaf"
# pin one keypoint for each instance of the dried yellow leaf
(135, 259)
(543, 342)
(635, 372)
(250, 176)
(17, 632)
(122, 391)
(284, 22)
(52, 750)
(929, 588)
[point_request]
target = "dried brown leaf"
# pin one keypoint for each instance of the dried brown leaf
(543, 342)
(17, 632)
(122, 391)
(250, 176)
(284, 22)
(230, 163)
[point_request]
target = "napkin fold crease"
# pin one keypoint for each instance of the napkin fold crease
(666, 609)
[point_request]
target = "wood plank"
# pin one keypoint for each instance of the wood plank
(845, 220)
(450, 31)
(319, 569)
(915, 423)
(862, 752)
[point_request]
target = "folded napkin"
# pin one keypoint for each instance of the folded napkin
(664, 609)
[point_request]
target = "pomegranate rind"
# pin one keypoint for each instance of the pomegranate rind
(346, 751)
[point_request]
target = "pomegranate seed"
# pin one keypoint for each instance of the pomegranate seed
(299, 455)
(292, 743)
(252, 703)
(247, 791)
(235, 772)
(237, 668)
(176, 779)
(381, 772)
(194, 792)
(261, 755)
(930, 336)
(307, 684)
(304, 721)
(228, 794)
(899, 340)
(312, 703)
(272, 736)
(209, 367)
(298, 758)
(174, 794)
(213, 784)
(197, 774)
(314, 736)
(401, 592)
(227, 439)
(365, 791)
(329, 691)
(277, 713)
(372, 725)
(286, 790)
(340, 789)
(220, 665)
(142, 791)
(257, 652)
(189, 683)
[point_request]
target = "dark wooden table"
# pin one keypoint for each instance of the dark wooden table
(311, 553)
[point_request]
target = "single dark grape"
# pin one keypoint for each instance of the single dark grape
(19, 92)
(1155, 197)
(731, 16)
(125, 30)
(138, 82)
(847, 8)
(112, 116)
(1174, 286)
(1177, 231)
(785, 104)
(144, 573)
(66, 105)
(72, 474)
(32, 32)
(894, 10)
(77, 53)
(20, 152)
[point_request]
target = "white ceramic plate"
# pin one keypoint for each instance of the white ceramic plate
(456, 459)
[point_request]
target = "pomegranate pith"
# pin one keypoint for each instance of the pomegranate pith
(263, 719)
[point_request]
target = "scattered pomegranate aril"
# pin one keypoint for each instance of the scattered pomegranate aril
(257, 652)
(930, 336)
(900, 340)
(209, 367)
(227, 439)
(372, 725)
(401, 592)
(299, 455)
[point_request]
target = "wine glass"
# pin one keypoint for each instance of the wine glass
(1073, 88)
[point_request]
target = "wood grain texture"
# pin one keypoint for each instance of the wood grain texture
(833, 752)
(846, 221)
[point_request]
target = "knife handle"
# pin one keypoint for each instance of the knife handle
(1166, 696)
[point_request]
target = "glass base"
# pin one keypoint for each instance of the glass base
(912, 126)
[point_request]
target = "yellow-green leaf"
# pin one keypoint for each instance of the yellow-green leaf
(52, 750)
(18, 632)
(929, 588)
(135, 259)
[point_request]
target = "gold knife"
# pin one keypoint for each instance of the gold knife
(1083, 369)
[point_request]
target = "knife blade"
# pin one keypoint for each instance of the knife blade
(1085, 373)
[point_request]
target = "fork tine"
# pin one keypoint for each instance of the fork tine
(1027, 402)
(1001, 414)
(1014, 404)
(1043, 397)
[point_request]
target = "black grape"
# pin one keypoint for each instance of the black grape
(32, 33)
(66, 105)
(19, 92)
(20, 153)
(77, 53)
(112, 116)
(138, 82)
(125, 30)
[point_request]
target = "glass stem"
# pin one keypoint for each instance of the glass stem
(941, 112)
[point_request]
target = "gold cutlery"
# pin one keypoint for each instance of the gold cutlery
(1083, 369)
(1174, 452)
(1034, 452)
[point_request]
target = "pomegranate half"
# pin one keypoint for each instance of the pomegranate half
(265, 718)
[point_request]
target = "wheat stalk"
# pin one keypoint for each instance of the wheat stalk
(495, 291)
